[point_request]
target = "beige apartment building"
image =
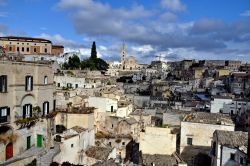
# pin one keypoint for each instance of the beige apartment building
(26, 95)
(29, 46)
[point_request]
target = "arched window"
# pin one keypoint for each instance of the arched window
(45, 80)
(45, 108)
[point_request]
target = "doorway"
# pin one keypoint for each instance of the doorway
(28, 142)
(9, 151)
(39, 141)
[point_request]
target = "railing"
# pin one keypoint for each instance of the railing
(5, 119)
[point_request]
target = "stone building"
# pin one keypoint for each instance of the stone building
(218, 103)
(197, 133)
(130, 63)
(57, 50)
(26, 95)
(197, 128)
(75, 132)
(123, 58)
(156, 140)
(29, 46)
(229, 148)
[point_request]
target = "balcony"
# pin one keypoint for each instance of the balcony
(4, 119)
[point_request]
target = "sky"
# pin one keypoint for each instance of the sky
(172, 29)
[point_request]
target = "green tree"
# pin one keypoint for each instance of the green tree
(74, 62)
(88, 64)
(93, 52)
(100, 64)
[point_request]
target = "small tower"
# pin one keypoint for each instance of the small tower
(123, 58)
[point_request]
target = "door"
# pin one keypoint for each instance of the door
(39, 140)
(9, 151)
(28, 142)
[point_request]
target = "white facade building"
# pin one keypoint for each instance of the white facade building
(218, 103)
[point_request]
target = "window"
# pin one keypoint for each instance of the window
(232, 156)
(45, 50)
(214, 149)
(10, 48)
(45, 81)
(17, 49)
(22, 49)
(123, 143)
(110, 144)
(45, 108)
(58, 84)
(72, 145)
(189, 141)
(76, 86)
(3, 83)
(69, 85)
(34, 49)
(27, 111)
(4, 111)
(28, 83)
(54, 105)
(112, 108)
(28, 49)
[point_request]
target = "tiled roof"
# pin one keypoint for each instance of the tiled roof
(99, 153)
(209, 118)
(159, 160)
(25, 39)
(232, 138)
(78, 129)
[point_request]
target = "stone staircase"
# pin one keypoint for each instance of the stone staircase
(46, 158)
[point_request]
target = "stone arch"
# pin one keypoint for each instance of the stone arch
(28, 98)
(6, 128)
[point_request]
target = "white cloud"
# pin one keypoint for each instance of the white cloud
(153, 31)
(58, 39)
(143, 49)
(246, 13)
(173, 5)
(168, 16)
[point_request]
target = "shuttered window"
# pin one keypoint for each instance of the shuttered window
(4, 111)
(27, 111)
(3, 83)
(28, 83)
(45, 108)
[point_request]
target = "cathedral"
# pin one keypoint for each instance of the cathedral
(130, 63)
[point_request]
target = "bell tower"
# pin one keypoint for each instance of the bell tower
(123, 58)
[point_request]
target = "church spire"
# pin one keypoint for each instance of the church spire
(123, 57)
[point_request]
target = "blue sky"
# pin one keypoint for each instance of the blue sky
(174, 29)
